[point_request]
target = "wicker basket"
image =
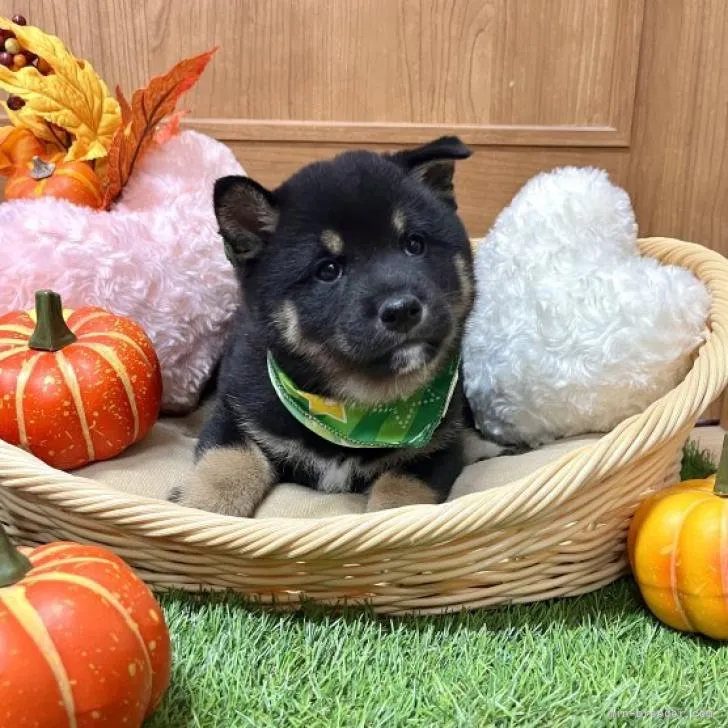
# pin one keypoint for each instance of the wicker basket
(560, 531)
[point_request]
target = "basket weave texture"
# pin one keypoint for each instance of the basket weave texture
(559, 531)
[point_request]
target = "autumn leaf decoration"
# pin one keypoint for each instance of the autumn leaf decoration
(62, 111)
(141, 120)
(73, 98)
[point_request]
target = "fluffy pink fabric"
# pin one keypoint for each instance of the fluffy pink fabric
(156, 257)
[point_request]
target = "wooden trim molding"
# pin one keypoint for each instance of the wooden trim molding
(339, 132)
(266, 130)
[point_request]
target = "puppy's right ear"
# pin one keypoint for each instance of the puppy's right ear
(247, 214)
(434, 165)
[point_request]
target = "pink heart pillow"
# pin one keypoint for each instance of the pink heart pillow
(156, 257)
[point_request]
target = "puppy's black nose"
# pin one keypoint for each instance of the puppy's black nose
(401, 313)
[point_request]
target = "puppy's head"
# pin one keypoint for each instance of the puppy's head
(359, 265)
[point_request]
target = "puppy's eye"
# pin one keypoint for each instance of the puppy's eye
(413, 244)
(329, 270)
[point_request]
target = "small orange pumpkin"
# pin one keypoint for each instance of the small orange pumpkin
(678, 551)
(84, 642)
(17, 147)
(75, 392)
(72, 181)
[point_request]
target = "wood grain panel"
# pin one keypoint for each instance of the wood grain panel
(484, 184)
(679, 164)
(551, 72)
(678, 176)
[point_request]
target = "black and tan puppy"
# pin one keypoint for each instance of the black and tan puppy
(357, 279)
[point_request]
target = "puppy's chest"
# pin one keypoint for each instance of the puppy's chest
(330, 474)
(333, 472)
(338, 475)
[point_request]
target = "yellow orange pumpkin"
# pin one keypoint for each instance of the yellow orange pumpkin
(83, 640)
(72, 181)
(75, 386)
(678, 551)
(17, 147)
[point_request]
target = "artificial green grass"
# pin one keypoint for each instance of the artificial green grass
(599, 659)
(696, 463)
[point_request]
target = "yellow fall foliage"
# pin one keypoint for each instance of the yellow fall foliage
(25, 118)
(74, 97)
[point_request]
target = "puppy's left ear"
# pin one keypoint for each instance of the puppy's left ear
(434, 164)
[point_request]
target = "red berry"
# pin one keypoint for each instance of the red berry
(6, 59)
(43, 66)
(19, 61)
(15, 103)
(19, 20)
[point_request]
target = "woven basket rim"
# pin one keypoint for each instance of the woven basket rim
(523, 501)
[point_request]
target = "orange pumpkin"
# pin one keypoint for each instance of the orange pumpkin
(75, 392)
(17, 146)
(72, 181)
(678, 551)
(84, 642)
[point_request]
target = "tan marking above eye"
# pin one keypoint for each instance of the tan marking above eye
(399, 221)
(332, 241)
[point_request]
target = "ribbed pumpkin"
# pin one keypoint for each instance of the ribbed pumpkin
(75, 392)
(84, 642)
(17, 146)
(678, 551)
(72, 181)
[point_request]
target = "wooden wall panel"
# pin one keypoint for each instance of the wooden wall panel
(679, 154)
(554, 72)
(678, 175)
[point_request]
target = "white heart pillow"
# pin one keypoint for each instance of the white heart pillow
(572, 331)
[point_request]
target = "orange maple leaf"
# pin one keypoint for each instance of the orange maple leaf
(139, 119)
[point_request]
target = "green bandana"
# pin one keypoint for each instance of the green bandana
(407, 422)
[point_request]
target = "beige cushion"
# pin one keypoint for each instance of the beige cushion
(152, 467)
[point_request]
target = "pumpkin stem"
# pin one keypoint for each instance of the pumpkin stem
(721, 477)
(51, 331)
(41, 169)
(13, 565)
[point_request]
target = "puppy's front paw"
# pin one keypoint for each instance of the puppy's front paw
(392, 490)
(227, 480)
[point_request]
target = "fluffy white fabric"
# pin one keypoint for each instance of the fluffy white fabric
(156, 257)
(572, 331)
